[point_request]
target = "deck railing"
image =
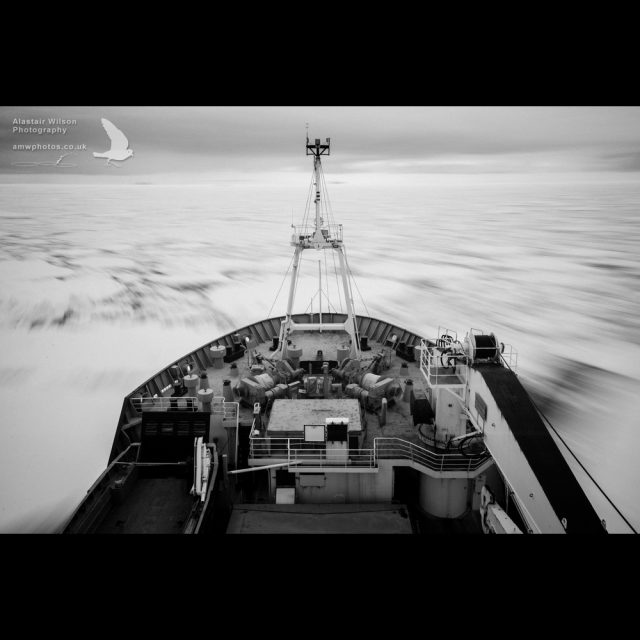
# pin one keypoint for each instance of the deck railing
(296, 450)
(272, 447)
(438, 369)
(396, 448)
(510, 357)
(364, 458)
(229, 410)
(304, 234)
(184, 403)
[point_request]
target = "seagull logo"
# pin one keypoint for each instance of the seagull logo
(119, 144)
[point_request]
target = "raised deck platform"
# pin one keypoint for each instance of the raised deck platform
(330, 342)
(288, 417)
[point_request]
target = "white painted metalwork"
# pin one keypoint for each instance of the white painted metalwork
(322, 236)
(316, 455)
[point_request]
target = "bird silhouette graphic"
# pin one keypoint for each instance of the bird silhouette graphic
(119, 144)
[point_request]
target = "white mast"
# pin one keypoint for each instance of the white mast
(316, 171)
(320, 237)
(320, 292)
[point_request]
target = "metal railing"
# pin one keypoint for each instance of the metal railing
(304, 233)
(438, 369)
(272, 447)
(229, 410)
(295, 450)
(396, 448)
(311, 454)
(510, 357)
(331, 457)
(182, 403)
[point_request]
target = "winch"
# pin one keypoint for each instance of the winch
(371, 389)
(482, 347)
(269, 385)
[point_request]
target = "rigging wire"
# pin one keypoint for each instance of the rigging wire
(331, 223)
(331, 305)
(333, 227)
(583, 467)
(314, 297)
(354, 282)
(307, 206)
(326, 275)
(323, 201)
(282, 283)
(295, 284)
(304, 222)
(335, 270)
(327, 202)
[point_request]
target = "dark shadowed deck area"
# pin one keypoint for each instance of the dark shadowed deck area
(155, 505)
(319, 518)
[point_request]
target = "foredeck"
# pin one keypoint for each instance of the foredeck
(402, 349)
(327, 341)
(399, 423)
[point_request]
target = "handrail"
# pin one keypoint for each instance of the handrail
(261, 447)
(384, 448)
(510, 357)
(388, 447)
(305, 232)
(432, 366)
(333, 457)
(431, 363)
(182, 403)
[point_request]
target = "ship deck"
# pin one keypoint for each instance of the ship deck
(399, 423)
(397, 364)
(319, 518)
(327, 341)
(155, 505)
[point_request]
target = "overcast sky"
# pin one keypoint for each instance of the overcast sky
(197, 142)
